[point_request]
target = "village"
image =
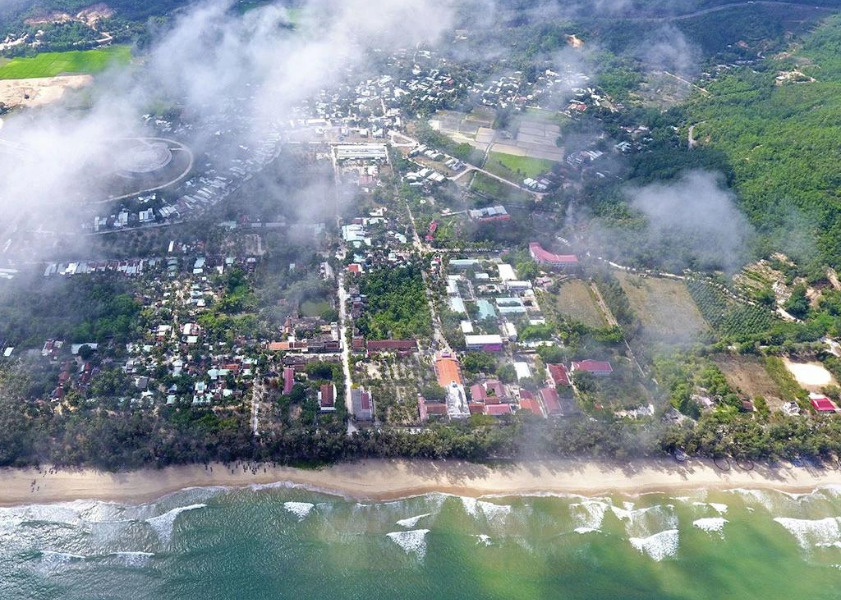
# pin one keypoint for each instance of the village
(483, 312)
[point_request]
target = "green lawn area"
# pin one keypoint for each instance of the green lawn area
(516, 168)
(311, 308)
(498, 190)
(50, 64)
(551, 116)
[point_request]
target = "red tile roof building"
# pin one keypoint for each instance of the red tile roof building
(327, 397)
(497, 410)
(392, 345)
(447, 371)
(822, 403)
(596, 367)
(545, 257)
(288, 380)
(551, 401)
(559, 374)
(477, 392)
(529, 402)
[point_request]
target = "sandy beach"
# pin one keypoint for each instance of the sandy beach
(386, 480)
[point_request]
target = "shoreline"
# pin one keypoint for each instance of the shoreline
(383, 480)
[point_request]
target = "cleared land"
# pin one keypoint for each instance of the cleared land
(664, 307)
(516, 167)
(40, 91)
(748, 375)
(575, 301)
(50, 64)
(811, 376)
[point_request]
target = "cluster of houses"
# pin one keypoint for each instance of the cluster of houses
(490, 396)
(490, 304)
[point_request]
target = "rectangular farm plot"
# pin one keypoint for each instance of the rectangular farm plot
(748, 375)
(664, 307)
(50, 64)
(575, 300)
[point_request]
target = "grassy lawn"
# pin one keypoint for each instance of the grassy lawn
(310, 308)
(575, 300)
(50, 64)
(546, 115)
(498, 190)
(516, 168)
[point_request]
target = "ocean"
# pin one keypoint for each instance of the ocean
(273, 542)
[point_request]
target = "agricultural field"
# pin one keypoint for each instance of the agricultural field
(749, 376)
(664, 307)
(730, 319)
(50, 64)
(575, 300)
(516, 168)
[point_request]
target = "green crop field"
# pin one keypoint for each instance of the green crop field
(50, 64)
(516, 167)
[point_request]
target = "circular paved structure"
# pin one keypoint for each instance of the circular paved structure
(143, 158)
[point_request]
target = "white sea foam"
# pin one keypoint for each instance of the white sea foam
(720, 508)
(589, 514)
(470, 505)
(759, 497)
(134, 559)
(52, 559)
(717, 507)
(484, 540)
(629, 513)
(812, 533)
(658, 546)
(474, 507)
(299, 509)
(164, 523)
(494, 511)
(641, 523)
(412, 521)
(710, 524)
(583, 530)
(411, 541)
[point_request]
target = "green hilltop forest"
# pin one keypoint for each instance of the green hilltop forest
(779, 125)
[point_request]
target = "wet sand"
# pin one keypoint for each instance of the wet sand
(385, 480)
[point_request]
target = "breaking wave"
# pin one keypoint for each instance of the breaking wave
(299, 509)
(164, 523)
(710, 524)
(412, 542)
(588, 515)
(412, 521)
(811, 533)
(489, 510)
(658, 546)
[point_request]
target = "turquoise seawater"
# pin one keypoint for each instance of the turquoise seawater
(275, 542)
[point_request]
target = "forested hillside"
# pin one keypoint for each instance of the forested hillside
(780, 126)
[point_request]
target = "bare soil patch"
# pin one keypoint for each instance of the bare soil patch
(39, 91)
(812, 376)
(747, 374)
